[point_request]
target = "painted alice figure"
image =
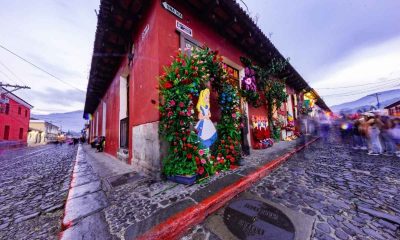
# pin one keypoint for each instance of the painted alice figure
(205, 127)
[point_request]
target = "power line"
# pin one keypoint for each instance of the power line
(360, 92)
(8, 77)
(394, 81)
(41, 69)
(374, 83)
(9, 70)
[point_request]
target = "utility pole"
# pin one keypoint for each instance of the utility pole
(377, 99)
(4, 91)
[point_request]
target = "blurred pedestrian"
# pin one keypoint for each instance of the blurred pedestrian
(375, 147)
(389, 147)
(394, 132)
(325, 125)
(356, 132)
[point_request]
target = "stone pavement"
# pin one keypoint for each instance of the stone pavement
(136, 203)
(33, 187)
(352, 195)
(83, 218)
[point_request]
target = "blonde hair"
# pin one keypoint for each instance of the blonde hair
(201, 102)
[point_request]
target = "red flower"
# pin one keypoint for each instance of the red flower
(181, 104)
(168, 85)
(189, 156)
(200, 170)
(197, 160)
(184, 139)
(172, 103)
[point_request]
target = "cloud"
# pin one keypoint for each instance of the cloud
(376, 67)
(59, 97)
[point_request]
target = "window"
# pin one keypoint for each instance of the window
(233, 75)
(7, 108)
(21, 133)
(26, 113)
(6, 132)
(19, 110)
(123, 141)
(187, 42)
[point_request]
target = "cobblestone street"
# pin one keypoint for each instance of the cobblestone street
(352, 195)
(34, 184)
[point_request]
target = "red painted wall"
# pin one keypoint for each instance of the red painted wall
(111, 99)
(112, 118)
(15, 121)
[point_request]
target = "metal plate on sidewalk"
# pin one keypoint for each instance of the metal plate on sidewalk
(253, 219)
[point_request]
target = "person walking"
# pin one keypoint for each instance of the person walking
(357, 142)
(324, 124)
(389, 146)
(394, 132)
(375, 147)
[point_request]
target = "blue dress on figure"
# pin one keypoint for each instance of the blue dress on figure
(205, 129)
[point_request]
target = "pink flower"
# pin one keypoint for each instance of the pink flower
(181, 104)
(203, 161)
(172, 103)
(169, 114)
(188, 113)
(201, 152)
(248, 81)
(234, 115)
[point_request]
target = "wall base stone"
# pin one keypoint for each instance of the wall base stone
(148, 150)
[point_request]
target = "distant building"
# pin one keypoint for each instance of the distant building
(14, 119)
(42, 132)
(394, 109)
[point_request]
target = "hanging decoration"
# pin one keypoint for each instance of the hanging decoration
(249, 87)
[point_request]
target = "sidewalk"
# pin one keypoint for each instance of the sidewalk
(132, 205)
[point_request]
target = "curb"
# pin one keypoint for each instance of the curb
(66, 226)
(175, 226)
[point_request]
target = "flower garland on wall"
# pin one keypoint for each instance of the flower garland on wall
(180, 84)
(228, 148)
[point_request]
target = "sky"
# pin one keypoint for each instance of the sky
(345, 49)
(55, 35)
(336, 45)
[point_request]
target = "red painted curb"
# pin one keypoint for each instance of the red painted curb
(175, 226)
(65, 226)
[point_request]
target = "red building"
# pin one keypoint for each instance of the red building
(135, 39)
(394, 109)
(14, 119)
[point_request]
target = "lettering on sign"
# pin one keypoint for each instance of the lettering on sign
(183, 28)
(172, 10)
(145, 31)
